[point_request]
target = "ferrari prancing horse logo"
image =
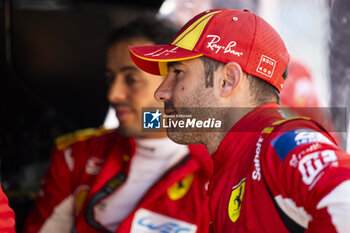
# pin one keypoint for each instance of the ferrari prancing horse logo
(235, 202)
(179, 189)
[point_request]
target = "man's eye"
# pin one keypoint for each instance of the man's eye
(131, 79)
(177, 72)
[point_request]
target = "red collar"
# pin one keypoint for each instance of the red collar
(242, 135)
(254, 121)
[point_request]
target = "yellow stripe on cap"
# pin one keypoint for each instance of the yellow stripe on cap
(163, 68)
(188, 39)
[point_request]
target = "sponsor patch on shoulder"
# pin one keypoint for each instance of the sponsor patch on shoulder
(286, 142)
(311, 165)
(146, 221)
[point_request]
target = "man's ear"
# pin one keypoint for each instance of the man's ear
(231, 78)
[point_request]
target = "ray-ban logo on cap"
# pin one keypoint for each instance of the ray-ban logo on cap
(161, 51)
(266, 66)
(215, 46)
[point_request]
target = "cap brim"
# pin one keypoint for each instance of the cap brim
(153, 59)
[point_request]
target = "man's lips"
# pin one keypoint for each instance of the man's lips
(170, 111)
(123, 112)
(169, 108)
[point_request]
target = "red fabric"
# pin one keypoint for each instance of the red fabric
(242, 155)
(7, 216)
(299, 97)
(111, 148)
(299, 91)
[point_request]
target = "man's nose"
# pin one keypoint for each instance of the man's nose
(117, 90)
(164, 91)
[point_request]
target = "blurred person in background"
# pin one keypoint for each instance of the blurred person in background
(125, 180)
(299, 97)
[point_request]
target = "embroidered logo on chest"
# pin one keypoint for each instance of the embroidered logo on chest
(235, 202)
(93, 165)
(146, 221)
(179, 189)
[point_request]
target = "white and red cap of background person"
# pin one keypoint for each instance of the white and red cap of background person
(223, 35)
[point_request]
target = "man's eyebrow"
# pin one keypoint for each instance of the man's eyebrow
(172, 64)
(126, 68)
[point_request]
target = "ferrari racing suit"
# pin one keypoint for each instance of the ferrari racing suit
(277, 175)
(88, 167)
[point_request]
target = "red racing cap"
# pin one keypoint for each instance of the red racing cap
(223, 35)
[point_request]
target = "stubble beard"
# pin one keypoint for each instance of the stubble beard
(186, 138)
(198, 107)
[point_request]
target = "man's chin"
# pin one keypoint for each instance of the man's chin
(185, 138)
(126, 131)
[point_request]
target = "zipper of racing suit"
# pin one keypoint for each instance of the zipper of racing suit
(111, 186)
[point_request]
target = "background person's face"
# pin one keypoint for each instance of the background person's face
(130, 89)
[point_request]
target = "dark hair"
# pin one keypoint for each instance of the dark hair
(210, 66)
(263, 91)
(145, 26)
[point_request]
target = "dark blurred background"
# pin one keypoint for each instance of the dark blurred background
(52, 81)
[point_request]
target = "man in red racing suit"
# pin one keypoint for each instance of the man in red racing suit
(290, 176)
(83, 173)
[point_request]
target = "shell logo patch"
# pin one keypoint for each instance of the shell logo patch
(179, 189)
(235, 202)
